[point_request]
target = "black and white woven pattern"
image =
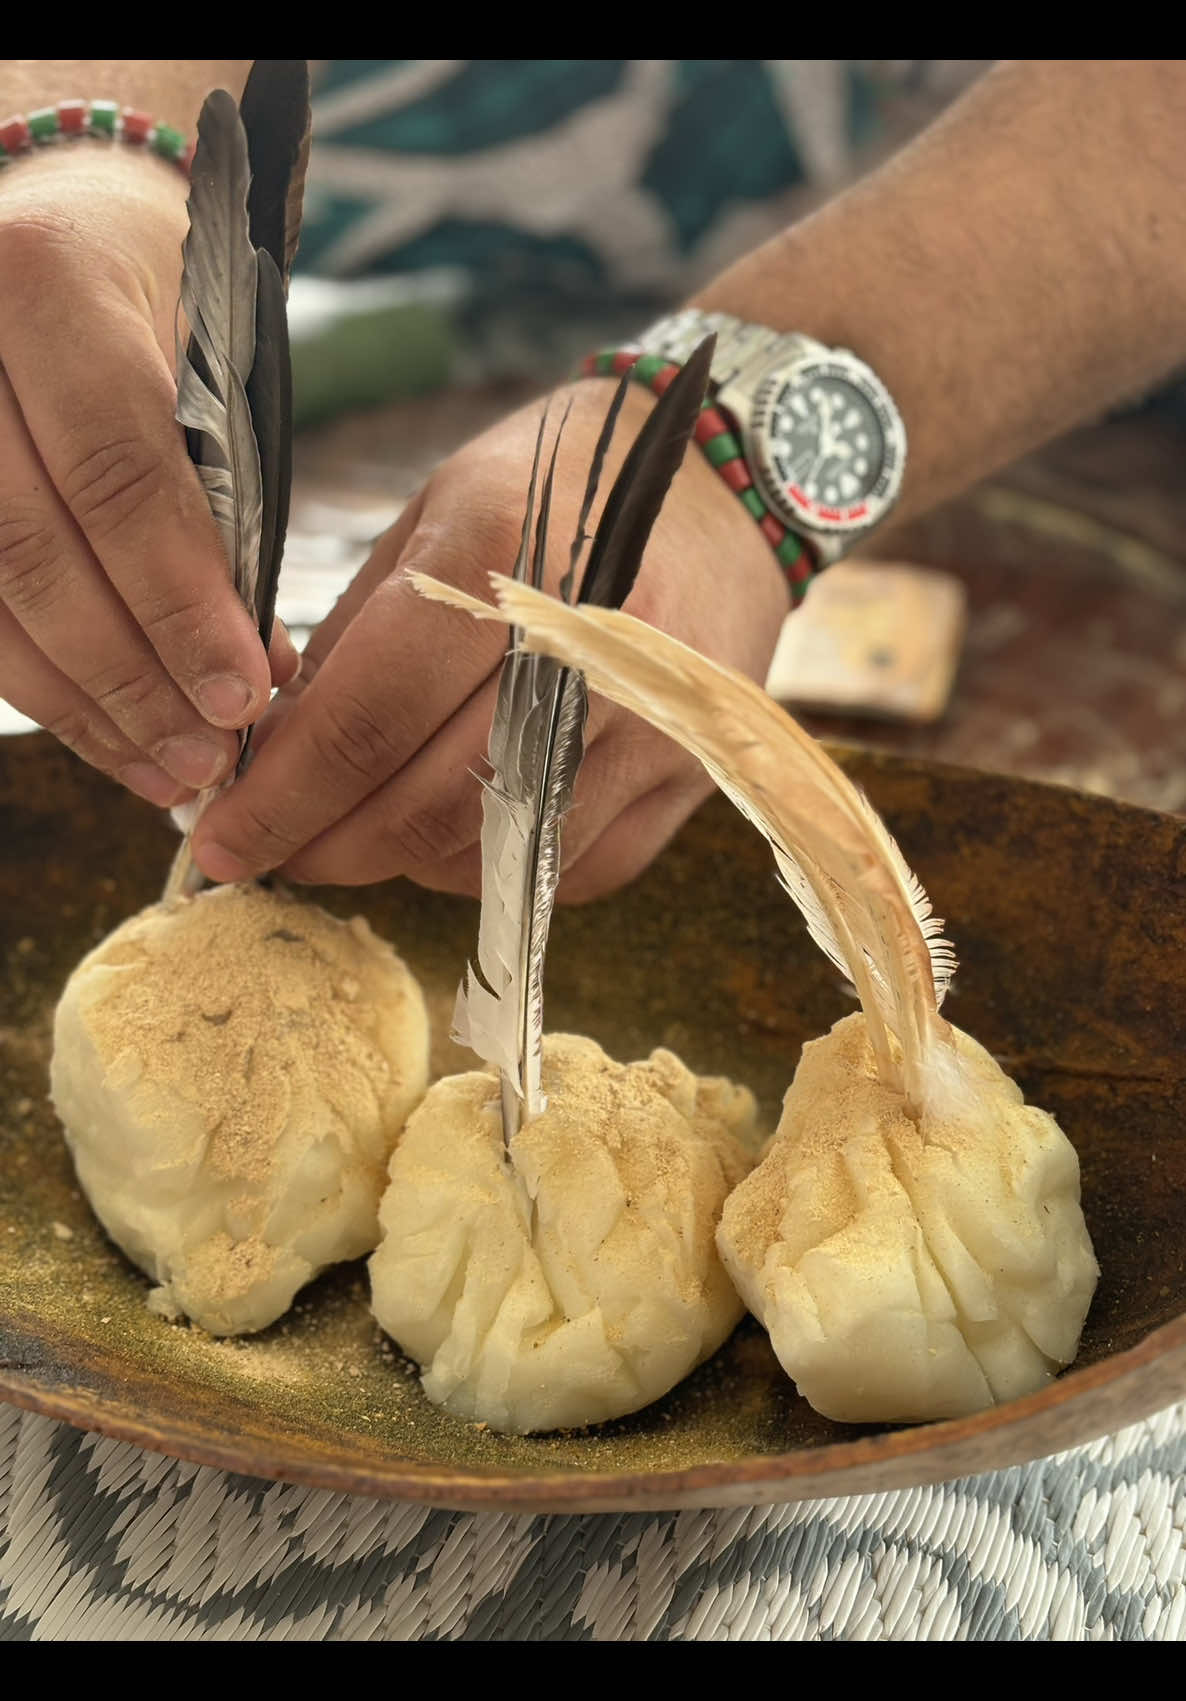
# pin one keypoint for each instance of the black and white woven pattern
(100, 1541)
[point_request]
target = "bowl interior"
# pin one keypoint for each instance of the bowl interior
(1069, 915)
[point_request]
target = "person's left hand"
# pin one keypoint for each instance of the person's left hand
(364, 768)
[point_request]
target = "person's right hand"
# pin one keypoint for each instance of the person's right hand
(119, 628)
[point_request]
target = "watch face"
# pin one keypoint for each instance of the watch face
(830, 445)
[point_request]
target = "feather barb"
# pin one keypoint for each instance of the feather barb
(537, 740)
(835, 857)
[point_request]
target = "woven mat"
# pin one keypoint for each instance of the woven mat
(100, 1541)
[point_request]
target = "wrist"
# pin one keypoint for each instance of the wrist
(701, 511)
(117, 218)
(91, 149)
(95, 161)
(170, 89)
(719, 438)
(116, 203)
(806, 434)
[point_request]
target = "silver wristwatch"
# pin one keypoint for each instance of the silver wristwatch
(823, 441)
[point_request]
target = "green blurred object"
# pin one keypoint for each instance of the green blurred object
(357, 345)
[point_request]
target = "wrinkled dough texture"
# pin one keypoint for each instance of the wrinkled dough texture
(231, 1073)
(911, 1272)
(575, 1278)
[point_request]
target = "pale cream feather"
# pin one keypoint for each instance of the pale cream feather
(862, 904)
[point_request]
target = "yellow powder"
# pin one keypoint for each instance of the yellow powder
(234, 997)
(231, 1072)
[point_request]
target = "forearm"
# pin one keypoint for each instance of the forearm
(1018, 268)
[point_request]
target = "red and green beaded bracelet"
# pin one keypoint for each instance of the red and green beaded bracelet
(106, 118)
(722, 450)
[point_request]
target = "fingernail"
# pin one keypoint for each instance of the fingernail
(217, 863)
(225, 700)
(153, 784)
(196, 762)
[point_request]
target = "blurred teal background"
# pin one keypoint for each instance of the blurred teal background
(469, 219)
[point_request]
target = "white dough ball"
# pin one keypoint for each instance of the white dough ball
(908, 1272)
(575, 1277)
(231, 1072)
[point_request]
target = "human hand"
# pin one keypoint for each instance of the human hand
(364, 769)
(119, 629)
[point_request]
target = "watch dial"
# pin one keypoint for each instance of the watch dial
(827, 446)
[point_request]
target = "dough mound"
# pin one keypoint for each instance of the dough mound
(231, 1072)
(911, 1272)
(574, 1279)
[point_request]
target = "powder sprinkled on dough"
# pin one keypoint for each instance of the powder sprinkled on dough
(249, 966)
(231, 1072)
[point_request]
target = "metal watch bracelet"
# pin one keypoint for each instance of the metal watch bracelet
(738, 343)
(773, 390)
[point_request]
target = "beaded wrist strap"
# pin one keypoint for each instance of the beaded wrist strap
(722, 450)
(70, 119)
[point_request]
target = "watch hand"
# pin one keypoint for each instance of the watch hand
(829, 443)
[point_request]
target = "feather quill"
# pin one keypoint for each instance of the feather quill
(494, 1012)
(537, 741)
(234, 374)
(834, 855)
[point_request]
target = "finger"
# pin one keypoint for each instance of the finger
(36, 688)
(632, 840)
(99, 400)
(382, 561)
(616, 855)
(277, 713)
(624, 759)
(429, 813)
(460, 876)
(55, 589)
(425, 814)
(324, 637)
(429, 816)
(284, 659)
(393, 679)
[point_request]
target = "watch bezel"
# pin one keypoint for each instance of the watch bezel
(796, 508)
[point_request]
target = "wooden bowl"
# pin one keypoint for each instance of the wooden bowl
(1070, 917)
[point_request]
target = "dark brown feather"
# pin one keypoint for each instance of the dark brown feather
(591, 484)
(269, 395)
(275, 114)
(638, 493)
